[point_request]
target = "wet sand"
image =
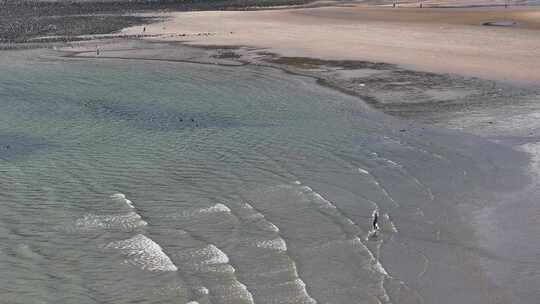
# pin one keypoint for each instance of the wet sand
(434, 40)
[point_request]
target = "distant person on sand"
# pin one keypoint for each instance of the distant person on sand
(144, 29)
(375, 217)
(97, 51)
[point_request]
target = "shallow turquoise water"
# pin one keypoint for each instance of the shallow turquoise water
(128, 181)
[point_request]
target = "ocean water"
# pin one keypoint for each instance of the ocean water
(143, 182)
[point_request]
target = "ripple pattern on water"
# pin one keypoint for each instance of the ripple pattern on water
(137, 182)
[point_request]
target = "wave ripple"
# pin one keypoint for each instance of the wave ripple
(145, 253)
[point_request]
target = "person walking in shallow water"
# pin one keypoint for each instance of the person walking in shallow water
(375, 217)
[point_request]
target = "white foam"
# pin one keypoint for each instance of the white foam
(383, 190)
(213, 268)
(274, 244)
(317, 198)
(254, 215)
(129, 203)
(198, 212)
(307, 188)
(388, 225)
(303, 294)
(234, 291)
(122, 198)
(211, 261)
(324, 202)
(376, 264)
(380, 268)
(201, 291)
(393, 163)
(124, 222)
(264, 224)
(270, 226)
(363, 171)
(219, 208)
(321, 202)
(297, 183)
(215, 255)
(247, 206)
(144, 253)
(293, 291)
(118, 195)
(206, 255)
(214, 209)
(207, 259)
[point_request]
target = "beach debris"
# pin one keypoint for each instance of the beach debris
(500, 23)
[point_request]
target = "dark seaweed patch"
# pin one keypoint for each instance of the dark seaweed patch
(159, 119)
(15, 146)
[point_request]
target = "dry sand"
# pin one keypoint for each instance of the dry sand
(437, 40)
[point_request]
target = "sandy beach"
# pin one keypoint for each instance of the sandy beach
(436, 40)
(218, 102)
